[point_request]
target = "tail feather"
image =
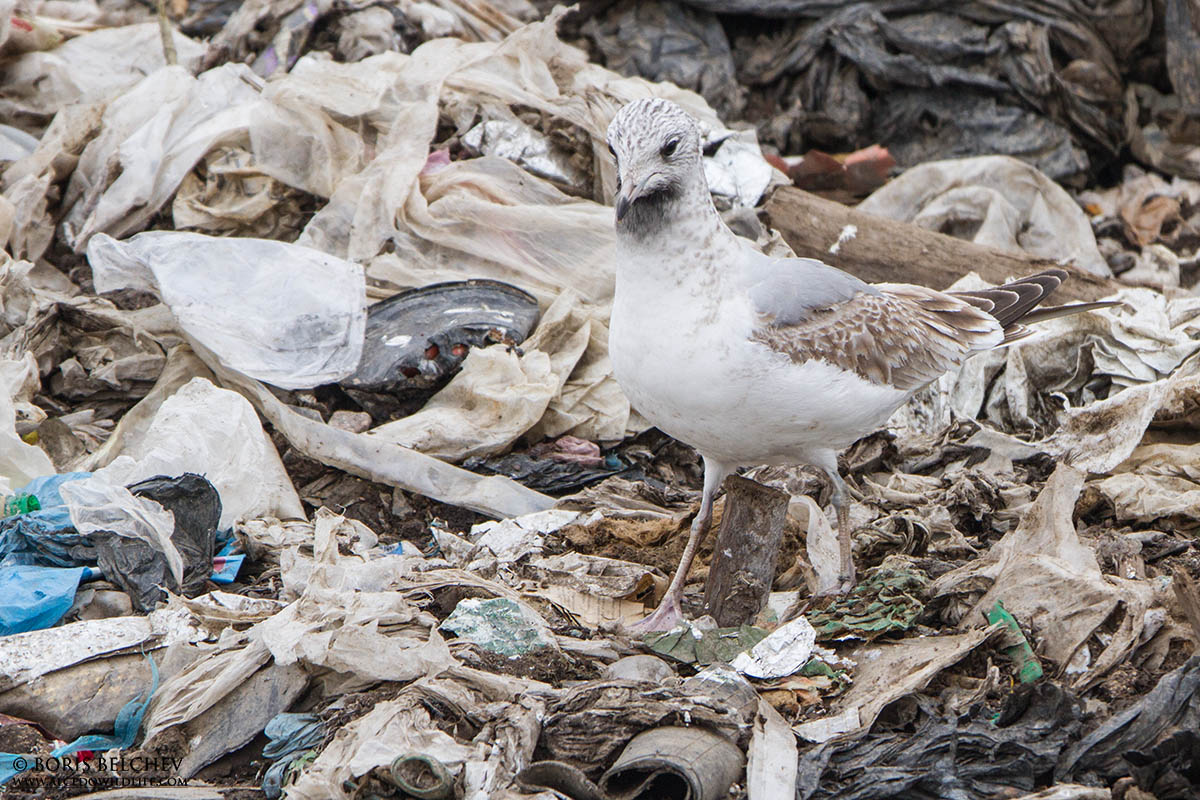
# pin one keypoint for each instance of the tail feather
(1014, 300)
(1014, 305)
(1054, 312)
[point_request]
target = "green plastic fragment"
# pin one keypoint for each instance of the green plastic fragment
(816, 667)
(1021, 653)
(886, 602)
(713, 646)
(499, 625)
(21, 504)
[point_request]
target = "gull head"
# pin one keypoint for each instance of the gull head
(656, 145)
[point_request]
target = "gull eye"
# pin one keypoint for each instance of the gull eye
(614, 152)
(668, 149)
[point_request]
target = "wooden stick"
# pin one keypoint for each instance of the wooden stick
(747, 549)
(168, 39)
(886, 251)
(1189, 598)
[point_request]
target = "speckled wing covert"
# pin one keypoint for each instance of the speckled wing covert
(903, 336)
(906, 336)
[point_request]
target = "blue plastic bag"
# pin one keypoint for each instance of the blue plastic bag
(32, 598)
(47, 537)
(291, 736)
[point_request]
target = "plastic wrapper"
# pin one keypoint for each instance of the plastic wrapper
(782, 653)
(99, 507)
(530, 149)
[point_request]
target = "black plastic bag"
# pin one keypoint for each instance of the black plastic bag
(141, 570)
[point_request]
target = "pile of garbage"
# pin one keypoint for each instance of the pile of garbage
(317, 482)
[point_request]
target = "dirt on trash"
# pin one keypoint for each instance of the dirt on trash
(317, 482)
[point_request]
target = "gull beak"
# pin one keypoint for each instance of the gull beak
(626, 199)
(623, 204)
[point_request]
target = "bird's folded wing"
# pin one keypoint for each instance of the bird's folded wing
(901, 336)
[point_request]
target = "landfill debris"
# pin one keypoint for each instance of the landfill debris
(782, 652)
(702, 642)
(499, 625)
(654, 760)
(886, 601)
(416, 340)
(296, 340)
(36, 597)
(1129, 739)
(771, 760)
(1001, 201)
(315, 476)
(564, 464)
(640, 668)
(422, 777)
(293, 738)
(987, 755)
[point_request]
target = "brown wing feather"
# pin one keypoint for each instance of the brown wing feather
(905, 336)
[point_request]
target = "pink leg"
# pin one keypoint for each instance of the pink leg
(845, 546)
(841, 504)
(669, 614)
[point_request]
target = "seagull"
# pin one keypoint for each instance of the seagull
(758, 360)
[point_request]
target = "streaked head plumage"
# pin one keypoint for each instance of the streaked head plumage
(656, 145)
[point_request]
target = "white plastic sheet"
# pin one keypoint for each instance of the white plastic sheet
(19, 462)
(154, 135)
(278, 312)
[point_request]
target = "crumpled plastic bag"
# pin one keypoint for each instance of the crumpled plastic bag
(384, 462)
(1143, 201)
(26, 182)
(285, 314)
(1157, 481)
(340, 622)
(966, 757)
(155, 133)
(496, 397)
(998, 201)
(85, 69)
(1113, 367)
(1106, 753)
(215, 433)
(395, 197)
(668, 41)
(135, 566)
(34, 597)
(102, 504)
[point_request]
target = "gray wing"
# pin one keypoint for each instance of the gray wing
(788, 290)
(890, 334)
